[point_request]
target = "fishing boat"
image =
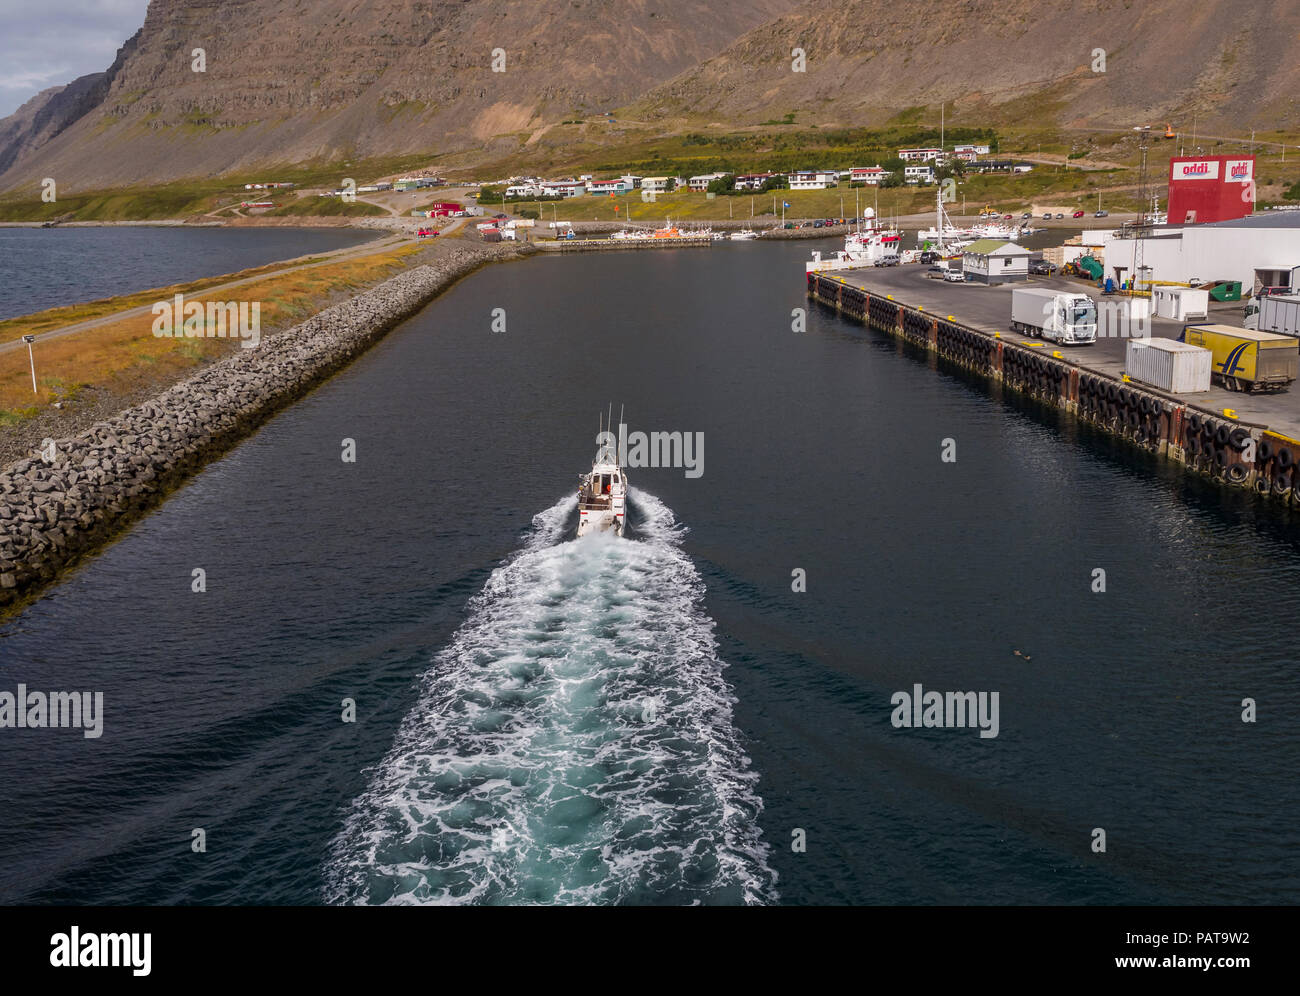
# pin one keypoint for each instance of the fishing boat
(602, 495)
(862, 247)
(744, 235)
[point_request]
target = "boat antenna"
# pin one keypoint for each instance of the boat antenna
(618, 456)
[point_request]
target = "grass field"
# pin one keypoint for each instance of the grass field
(323, 207)
(120, 356)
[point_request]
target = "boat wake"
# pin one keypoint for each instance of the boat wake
(573, 744)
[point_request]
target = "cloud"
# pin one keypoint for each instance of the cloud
(53, 42)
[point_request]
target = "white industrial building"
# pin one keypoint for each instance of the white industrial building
(1260, 251)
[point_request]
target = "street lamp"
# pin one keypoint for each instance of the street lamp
(29, 339)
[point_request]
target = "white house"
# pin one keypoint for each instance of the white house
(631, 182)
(995, 261)
(813, 179)
(524, 190)
(920, 155)
(866, 174)
(972, 150)
(606, 187)
(563, 188)
(701, 183)
(752, 181)
(918, 174)
(658, 184)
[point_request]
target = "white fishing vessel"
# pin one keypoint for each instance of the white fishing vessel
(862, 247)
(744, 235)
(602, 495)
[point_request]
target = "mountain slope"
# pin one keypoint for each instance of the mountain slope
(291, 82)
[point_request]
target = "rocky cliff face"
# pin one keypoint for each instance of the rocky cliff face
(1226, 61)
(290, 81)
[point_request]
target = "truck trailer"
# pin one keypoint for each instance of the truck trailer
(1062, 316)
(1246, 359)
(1274, 313)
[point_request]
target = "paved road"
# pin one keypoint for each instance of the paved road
(989, 310)
(290, 266)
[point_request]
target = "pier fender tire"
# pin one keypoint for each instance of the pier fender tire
(1134, 420)
(1220, 459)
(1282, 484)
(1194, 423)
(1237, 473)
(1193, 446)
(1264, 451)
(1221, 435)
(1112, 392)
(1238, 437)
(1284, 457)
(1263, 486)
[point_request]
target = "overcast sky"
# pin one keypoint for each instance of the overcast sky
(49, 42)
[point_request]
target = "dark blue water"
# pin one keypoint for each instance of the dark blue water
(48, 267)
(503, 750)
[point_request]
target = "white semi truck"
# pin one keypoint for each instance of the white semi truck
(1062, 316)
(1274, 313)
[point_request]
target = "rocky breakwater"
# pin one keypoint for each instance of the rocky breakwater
(80, 491)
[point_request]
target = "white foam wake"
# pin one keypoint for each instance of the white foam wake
(573, 744)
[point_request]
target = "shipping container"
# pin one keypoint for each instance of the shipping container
(1245, 359)
(1169, 365)
(1180, 303)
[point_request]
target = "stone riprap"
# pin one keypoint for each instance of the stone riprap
(54, 511)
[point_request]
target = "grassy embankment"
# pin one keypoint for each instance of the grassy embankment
(121, 356)
(198, 196)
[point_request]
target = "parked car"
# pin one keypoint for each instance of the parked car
(789, 224)
(930, 256)
(1048, 216)
(1008, 217)
(499, 216)
(819, 223)
(937, 273)
(1042, 268)
(1077, 214)
(954, 276)
(1102, 214)
(892, 259)
(1059, 216)
(1026, 216)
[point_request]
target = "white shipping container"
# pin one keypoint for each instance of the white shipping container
(1169, 365)
(1180, 303)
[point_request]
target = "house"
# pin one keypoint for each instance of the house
(604, 188)
(658, 184)
(564, 188)
(920, 155)
(918, 174)
(973, 150)
(631, 182)
(700, 183)
(752, 181)
(966, 155)
(995, 261)
(1001, 166)
(813, 179)
(524, 190)
(871, 175)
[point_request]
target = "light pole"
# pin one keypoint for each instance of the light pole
(29, 339)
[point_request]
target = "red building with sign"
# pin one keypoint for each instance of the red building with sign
(1210, 188)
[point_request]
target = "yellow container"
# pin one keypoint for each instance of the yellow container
(1246, 360)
